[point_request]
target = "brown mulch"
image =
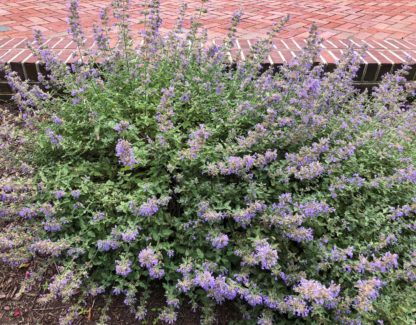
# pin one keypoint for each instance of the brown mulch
(28, 310)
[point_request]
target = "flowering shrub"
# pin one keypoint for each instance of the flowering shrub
(289, 193)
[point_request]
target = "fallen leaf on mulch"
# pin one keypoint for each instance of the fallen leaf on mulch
(24, 265)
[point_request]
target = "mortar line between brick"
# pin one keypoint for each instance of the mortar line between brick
(24, 66)
(92, 45)
(375, 59)
(409, 55)
(68, 58)
(22, 41)
(27, 58)
(368, 44)
(333, 55)
(11, 60)
(24, 70)
(296, 43)
(401, 44)
(391, 61)
(1, 56)
(284, 43)
(66, 46)
(384, 47)
(37, 68)
(249, 44)
(386, 41)
(360, 55)
(377, 72)
(60, 40)
(335, 47)
(362, 58)
(358, 45)
(364, 72)
(282, 57)
(47, 41)
(240, 50)
(397, 56)
(412, 44)
(345, 45)
(4, 45)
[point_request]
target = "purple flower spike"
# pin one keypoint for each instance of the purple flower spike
(125, 153)
(148, 258)
(149, 208)
(123, 267)
(59, 194)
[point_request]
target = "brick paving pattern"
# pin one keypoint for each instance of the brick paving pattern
(363, 19)
(386, 28)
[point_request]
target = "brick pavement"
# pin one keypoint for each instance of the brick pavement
(386, 27)
(340, 19)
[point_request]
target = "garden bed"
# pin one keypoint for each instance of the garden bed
(26, 309)
(159, 179)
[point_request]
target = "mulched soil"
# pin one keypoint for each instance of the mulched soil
(26, 309)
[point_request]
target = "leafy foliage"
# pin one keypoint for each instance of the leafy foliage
(289, 193)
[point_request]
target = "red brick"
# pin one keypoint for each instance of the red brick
(13, 43)
(9, 55)
(391, 18)
(368, 22)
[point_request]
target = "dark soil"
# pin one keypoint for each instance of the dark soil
(28, 310)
